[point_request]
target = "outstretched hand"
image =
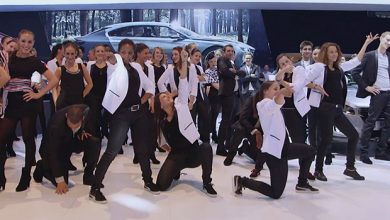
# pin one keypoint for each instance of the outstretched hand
(370, 38)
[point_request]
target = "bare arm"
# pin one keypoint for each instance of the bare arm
(4, 77)
(88, 79)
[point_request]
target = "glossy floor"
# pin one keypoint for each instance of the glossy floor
(339, 198)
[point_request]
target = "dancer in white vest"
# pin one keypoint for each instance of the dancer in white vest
(276, 147)
(174, 119)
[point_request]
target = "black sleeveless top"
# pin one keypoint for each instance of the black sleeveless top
(72, 87)
(289, 101)
(158, 71)
(99, 79)
(174, 137)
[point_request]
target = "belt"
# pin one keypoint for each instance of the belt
(384, 91)
(135, 108)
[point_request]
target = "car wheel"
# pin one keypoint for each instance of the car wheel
(208, 51)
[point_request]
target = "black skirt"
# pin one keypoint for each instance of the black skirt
(18, 108)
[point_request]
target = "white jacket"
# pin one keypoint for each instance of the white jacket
(298, 83)
(186, 124)
(315, 73)
(118, 84)
(274, 128)
(168, 78)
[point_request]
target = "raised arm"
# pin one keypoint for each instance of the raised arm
(183, 90)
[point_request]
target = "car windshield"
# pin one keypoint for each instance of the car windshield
(185, 31)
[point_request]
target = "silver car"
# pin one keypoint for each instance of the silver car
(158, 34)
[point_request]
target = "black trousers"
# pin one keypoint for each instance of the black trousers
(238, 135)
(94, 114)
(201, 109)
(379, 104)
(296, 125)
(313, 127)
(278, 169)
(120, 123)
(227, 104)
(91, 148)
(7, 129)
(330, 115)
(187, 158)
(215, 106)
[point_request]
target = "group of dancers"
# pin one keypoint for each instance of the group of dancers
(174, 107)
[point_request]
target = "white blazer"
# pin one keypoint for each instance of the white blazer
(118, 84)
(274, 128)
(299, 83)
(168, 78)
(186, 124)
(151, 73)
(315, 74)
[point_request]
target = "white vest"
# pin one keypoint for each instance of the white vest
(272, 123)
(186, 124)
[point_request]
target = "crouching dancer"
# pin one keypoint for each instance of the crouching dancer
(174, 119)
(276, 147)
(65, 135)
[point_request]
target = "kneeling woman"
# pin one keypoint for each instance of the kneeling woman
(173, 117)
(276, 147)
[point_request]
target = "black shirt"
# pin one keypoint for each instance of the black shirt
(99, 79)
(173, 135)
(333, 86)
(72, 86)
(158, 71)
(23, 68)
(132, 97)
(289, 101)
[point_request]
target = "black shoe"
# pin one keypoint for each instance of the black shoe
(71, 167)
(228, 160)
(135, 160)
(209, 190)
(10, 152)
(24, 182)
(37, 175)
(328, 159)
(311, 177)
(161, 150)
(306, 187)
(320, 176)
(121, 151)
(177, 176)
(237, 185)
(154, 159)
(353, 173)
(382, 157)
(3, 180)
(221, 151)
(366, 160)
(97, 196)
(151, 187)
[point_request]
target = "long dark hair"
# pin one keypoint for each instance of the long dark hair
(260, 95)
(323, 55)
